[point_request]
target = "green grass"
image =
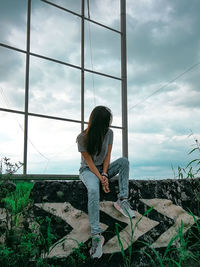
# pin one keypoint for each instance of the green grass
(19, 199)
(186, 252)
(23, 244)
(182, 249)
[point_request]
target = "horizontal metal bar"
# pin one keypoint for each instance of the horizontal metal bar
(40, 56)
(39, 115)
(55, 60)
(102, 25)
(103, 74)
(52, 117)
(60, 62)
(64, 119)
(49, 117)
(12, 111)
(79, 15)
(46, 177)
(116, 127)
(62, 8)
(29, 177)
(75, 66)
(13, 48)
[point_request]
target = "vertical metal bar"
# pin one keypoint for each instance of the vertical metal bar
(27, 85)
(124, 80)
(82, 63)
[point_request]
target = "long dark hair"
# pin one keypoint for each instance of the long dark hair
(99, 122)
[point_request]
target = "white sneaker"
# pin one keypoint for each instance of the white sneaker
(124, 207)
(97, 244)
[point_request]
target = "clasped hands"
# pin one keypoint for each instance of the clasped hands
(105, 184)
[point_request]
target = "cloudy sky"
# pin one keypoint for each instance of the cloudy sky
(163, 53)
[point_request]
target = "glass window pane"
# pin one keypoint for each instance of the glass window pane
(52, 148)
(11, 137)
(55, 33)
(100, 90)
(102, 50)
(106, 12)
(13, 23)
(72, 5)
(12, 79)
(54, 89)
(117, 144)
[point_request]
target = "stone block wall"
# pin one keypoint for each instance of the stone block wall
(65, 202)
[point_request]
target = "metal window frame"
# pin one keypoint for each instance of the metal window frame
(82, 68)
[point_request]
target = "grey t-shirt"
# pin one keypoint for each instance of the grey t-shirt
(98, 160)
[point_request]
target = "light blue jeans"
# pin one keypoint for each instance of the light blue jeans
(92, 182)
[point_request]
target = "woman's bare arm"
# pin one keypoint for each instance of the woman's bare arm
(91, 165)
(105, 168)
(93, 168)
(107, 159)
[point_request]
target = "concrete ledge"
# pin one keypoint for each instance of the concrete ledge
(66, 203)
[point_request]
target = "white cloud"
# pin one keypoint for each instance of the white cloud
(11, 136)
(106, 12)
(146, 11)
(55, 33)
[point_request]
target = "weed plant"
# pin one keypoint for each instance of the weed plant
(19, 199)
(78, 256)
(26, 243)
(22, 243)
(192, 169)
(128, 259)
(182, 249)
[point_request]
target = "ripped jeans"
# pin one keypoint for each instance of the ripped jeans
(92, 182)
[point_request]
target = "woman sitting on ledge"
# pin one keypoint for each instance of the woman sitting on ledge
(95, 145)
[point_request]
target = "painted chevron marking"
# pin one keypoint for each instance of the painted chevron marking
(165, 212)
(178, 214)
(143, 227)
(78, 220)
(74, 217)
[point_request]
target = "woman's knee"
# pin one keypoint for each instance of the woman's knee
(124, 161)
